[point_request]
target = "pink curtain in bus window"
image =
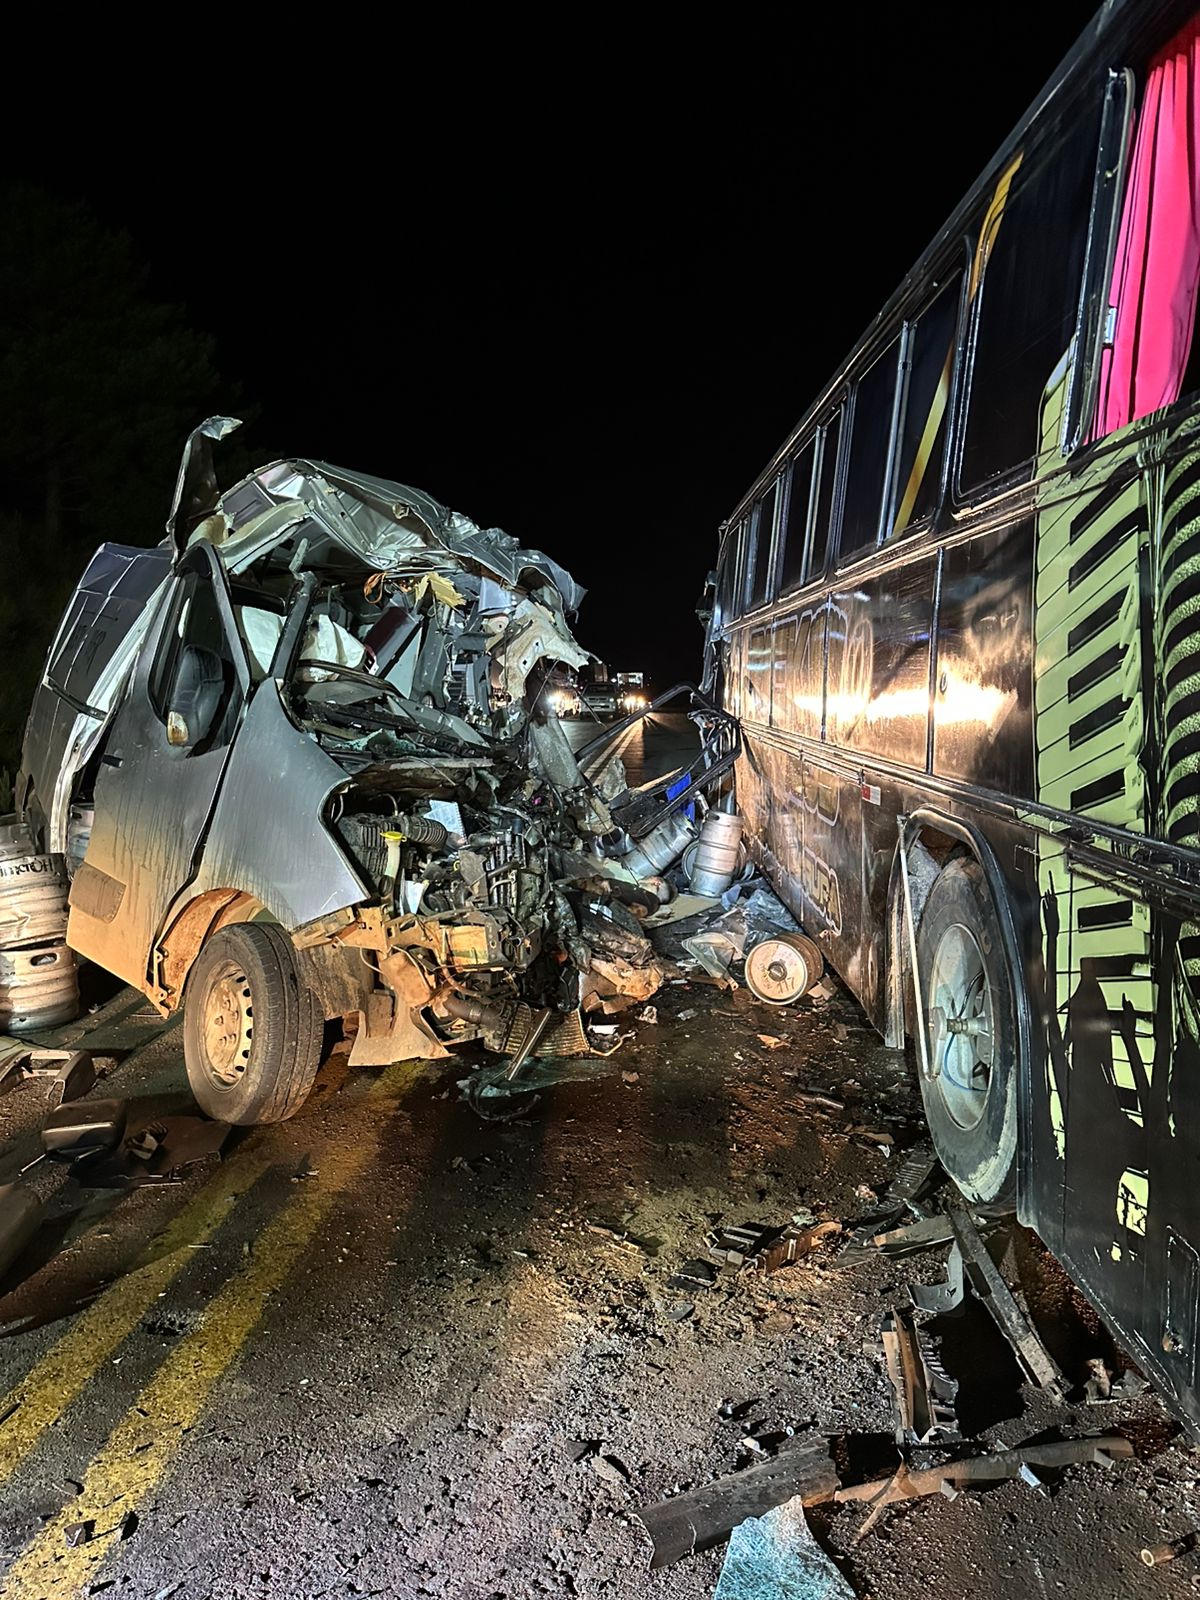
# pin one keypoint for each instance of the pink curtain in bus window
(1158, 247)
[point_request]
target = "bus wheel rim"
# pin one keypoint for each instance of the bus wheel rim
(962, 1026)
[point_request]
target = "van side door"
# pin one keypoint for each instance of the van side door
(160, 769)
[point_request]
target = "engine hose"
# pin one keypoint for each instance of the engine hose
(468, 1010)
(422, 830)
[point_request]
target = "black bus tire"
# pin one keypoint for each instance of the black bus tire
(252, 1028)
(971, 1097)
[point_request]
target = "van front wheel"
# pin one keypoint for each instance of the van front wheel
(252, 1027)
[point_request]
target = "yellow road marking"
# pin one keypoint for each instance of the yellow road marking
(46, 1391)
(143, 1445)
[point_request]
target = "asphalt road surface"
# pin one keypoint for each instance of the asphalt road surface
(651, 748)
(389, 1348)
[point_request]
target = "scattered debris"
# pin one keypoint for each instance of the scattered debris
(766, 913)
(719, 946)
(870, 1136)
(735, 1410)
(939, 1298)
(621, 1236)
(686, 1016)
(1098, 1385)
(702, 1517)
(925, 1392)
(1156, 1554)
(916, 1172)
(84, 1128)
(792, 1244)
(925, 1234)
(20, 1216)
(823, 1102)
(737, 1245)
(77, 1533)
(610, 1470)
(70, 1074)
(694, 1275)
(493, 1083)
(681, 1310)
(776, 1555)
(580, 1449)
(648, 1014)
(168, 1150)
(772, 1041)
(1100, 1449)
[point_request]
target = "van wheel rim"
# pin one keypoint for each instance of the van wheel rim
(961, 1032)
(228, 1024)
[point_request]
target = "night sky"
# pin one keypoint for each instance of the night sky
(581, 290)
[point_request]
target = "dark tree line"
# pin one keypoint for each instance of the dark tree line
(99, 385)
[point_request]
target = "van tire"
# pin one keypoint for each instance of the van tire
(971, 1102)
(252, 1027)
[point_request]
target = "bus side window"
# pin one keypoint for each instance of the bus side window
(870, 448)
(929, 363)
(823, 519)
(795, 524)
(763, 526)
(743, 550)
(1024, 292)
(1150, 356)
(726, 580)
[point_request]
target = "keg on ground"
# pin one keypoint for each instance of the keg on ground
(39, 984)
(717, 854)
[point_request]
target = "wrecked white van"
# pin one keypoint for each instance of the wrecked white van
(313, 737)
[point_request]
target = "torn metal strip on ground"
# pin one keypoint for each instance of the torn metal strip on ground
(702, 1517)
(1098, 1449)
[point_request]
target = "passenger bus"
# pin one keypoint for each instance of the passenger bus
(958, 618)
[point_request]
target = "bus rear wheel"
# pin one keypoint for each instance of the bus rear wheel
(970, 1016)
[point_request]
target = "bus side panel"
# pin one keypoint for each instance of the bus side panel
(1117, 569)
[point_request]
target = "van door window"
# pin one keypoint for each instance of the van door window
(193, 684)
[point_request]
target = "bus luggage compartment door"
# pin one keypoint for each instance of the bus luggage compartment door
(832, 865)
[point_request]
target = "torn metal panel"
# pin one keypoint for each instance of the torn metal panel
(701, 1518)
(938, 1298)
(1032, 1356)
(925, 1392)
